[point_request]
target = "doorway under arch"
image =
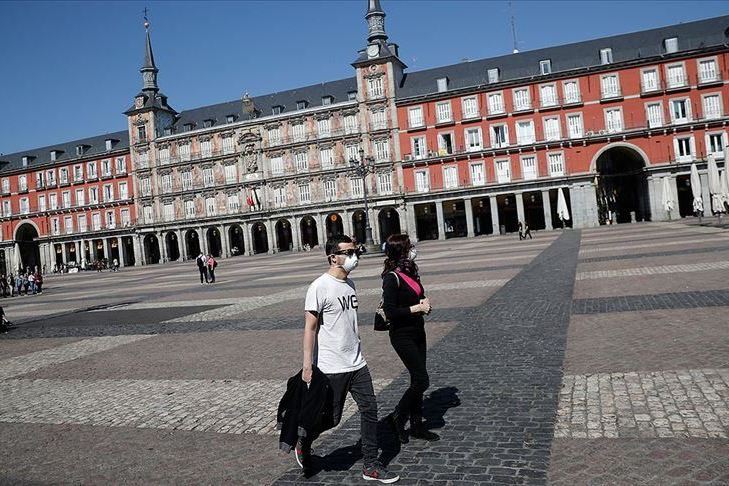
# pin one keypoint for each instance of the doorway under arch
(173, 247)
(27, 245)
(151, 249)
(284, 240)
(389, 221)
(192, 243)
(622, 185)
(260, 238)
(215, 247)
(235, 237)
(359, 226)
(309, 235)
(335, 226)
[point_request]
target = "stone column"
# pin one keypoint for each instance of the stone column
(468, 202)
(107, 250)
(520, 207)
(225, 244)
(321, 229)
(705, 195)
(79, 255)
(583, 202)
(655, 193)
(269, 236)
(411, 227)
(203, 240)
(162, 247)
(494, 215)
(247, 238)
(440, 219)
(139, 250)
(43, 250)
(122, 256)
(375, 223)
(676, 213)
(296, 233)
(347, 220)
(547, 206)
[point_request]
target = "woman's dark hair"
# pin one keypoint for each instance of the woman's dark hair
(397, 251)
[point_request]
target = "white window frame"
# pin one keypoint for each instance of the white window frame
(211, 207)
(496, 108)
(606, 55)
(298, 132)
(720, 106)
(450, 176)
(492, 133)
(615, 128)
(277, 165)
(121, 165)
(443, 112)
(190, 210)
(208, 177)
(480, 181)
(610, 90)
(703, 77)
(554, 169)
(545, 67)
(186, 176)
(670, 44)
(324, 127)
(304, 194)
(442, 146)
(521, 103)
(677, 81)
(382, 149)
(502, 169)
(687, 106)
(475, 147)
(384, 183)
(165, 182)
(422, 180)
(376, 87)
(184, 151)
(81, 223)
(93, 194)
(533, 173)
(545, 102)
(231, 174)
(80, 197)
(652, 123)
(493, 75)
(301, 160)
(691, 146)
(379, 119)
(274, 136)
(96, 220)
(646, 87)
(228, 145)
(577, 98)
(552, 136)
(330, 190)
(123, 191)
(525, 138)
(279, 196)
(417, 155)
(350, 124)
(233, 203)
(470, 107)
(356, 187)
(41, 203)
(326, 158)
(206, 148)
(707, 143)
(168, 212)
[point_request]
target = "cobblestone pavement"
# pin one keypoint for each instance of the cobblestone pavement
(586, 357)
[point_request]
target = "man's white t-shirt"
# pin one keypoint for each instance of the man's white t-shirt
(337, 348)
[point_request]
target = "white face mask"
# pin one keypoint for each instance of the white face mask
(350, 263)
(413, 254)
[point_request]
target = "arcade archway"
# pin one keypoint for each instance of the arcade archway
(389, 221)
(359, 226)
(260, 238)
(173, 247)
(334, 226)
(309, 236)
(284, 240)
(27, 247)
(215, 247)
(622, 185)
(235, 236)
(192, 243)
(151, 249)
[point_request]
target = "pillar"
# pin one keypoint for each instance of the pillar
(676, 213)
(296, 233)
(440, 219)
(547, 206)
(247, 238)
(583, 201)
(347, 219)
(321, 229)
(494, 214)
(411, 227)
(655, 197)
(520, 207)
(468, 203)
(122, 254)
(269, 237)
(138, 251)
(107, 249)
(162, 246)
(181, 245)
(224, 240)
(375, 223)
(203, 239)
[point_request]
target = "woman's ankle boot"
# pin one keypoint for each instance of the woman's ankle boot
(397, 423)
(418, 430)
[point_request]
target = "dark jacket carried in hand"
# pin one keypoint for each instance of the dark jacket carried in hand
(305, 411)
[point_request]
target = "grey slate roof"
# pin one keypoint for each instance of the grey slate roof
(96, 147)
(625, 47)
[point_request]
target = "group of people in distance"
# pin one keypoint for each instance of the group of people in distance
(28, 282)
(332, 350)
(206, 265)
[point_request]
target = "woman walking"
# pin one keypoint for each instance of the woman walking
(405, 304)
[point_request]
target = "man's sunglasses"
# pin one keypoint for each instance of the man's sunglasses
(350, 252)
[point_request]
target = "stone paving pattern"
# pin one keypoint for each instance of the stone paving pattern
(540, 352)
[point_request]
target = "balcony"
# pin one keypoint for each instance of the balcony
(573, 100)
(523, 107)
(611, 95)
(709, 78)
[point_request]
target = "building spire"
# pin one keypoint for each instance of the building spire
(375, 22)
(149, 69)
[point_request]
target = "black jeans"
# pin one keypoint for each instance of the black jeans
(359, 384)
(410, 345)
(203, 274)
(211, 271)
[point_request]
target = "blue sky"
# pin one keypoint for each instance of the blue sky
(69, 69)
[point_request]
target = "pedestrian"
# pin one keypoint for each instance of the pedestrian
(19, 283)
(212, 264)
(31, 282)
(332, 344)
(405, 304)
(521, 231)
(527, 231)
(202, 267)
(5, 325)
(38, 281)
(116, 264)
(26, 283)
(11, 284)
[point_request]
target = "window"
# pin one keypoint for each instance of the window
(208, 177)
(419, 147)
(123, 191)
(525, 132)
(166, 183)
(496, 103)
(145, 186)
(39, 181)
(183, 151)
(450, 177)
(503, 170)
(676, 76)
(443, 112)
(53, 200)
(63, 175)
(7, 209)
(529, 167)
(552, 129)
(108, 143)
(382, 150)
(301, 105)
(350, 124)
(712, 106)
(121, 165)
(81, 223)
(415, 117)
(327, 100)
(649, 80)
(422, 184)
(680, 111)
(302, 161)
(614, 120)
(375, 88)
(477, 176)
(279, 197)
(91, 170)
(230, 119)
(556, 164)
(351, 95)
(323, 127)
(168, 212)
(206, 148)
(105, 168)
(326, 158)
(356, 186)
(499, 136)
(384, 183)
(330, 189)
(442, 84)
(187, 180)
(654, 115)
(109, 192)
(51, 177)
(22, 183)
(274, 136)
(474, 141)
(715, 144)
(297, 129)
(41, 203)
(210, 209)
(55, 227)
(445, 143)
(606, 56)
(66, 199)
(80, 197)
(6, 185)
(379, 119)
(276, 165)
(233, 203)
(304, 194)
(493, 75)
(228, 146)
(189, 209)
(276, 110)
(24, 205)
(351, 152)
(684, 147)
(470, 107)
(610, 86)
(96, 219)
(708, 71)
(548, 95)
(93, 195)
(671, 45)
(142, 134)
(231, 174)
(571, 91)
(545, 66)
(522, 101)
(148, 214)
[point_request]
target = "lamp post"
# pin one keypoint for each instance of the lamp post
(362, 167)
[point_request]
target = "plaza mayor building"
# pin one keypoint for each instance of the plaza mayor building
(468, 149)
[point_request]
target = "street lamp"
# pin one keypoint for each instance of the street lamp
(362, 167)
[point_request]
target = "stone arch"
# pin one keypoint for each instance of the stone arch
(622, 184)
(640, 151)
(27, 250)
(359, 225)
(173, 246)
(309, 235)
(151, 249)
(259, 237)
(192, 244)
(284, 238)
(334, 225)
(389, 221)
(215, 245)
(236, 239)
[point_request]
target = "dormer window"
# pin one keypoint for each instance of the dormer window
(301, 105)
(351, 95)
(55, 154)
(109, 144)
(208, 123)
(670, 45)
(327, 100)
(493, 75)
(442, 84)
(230, 119)
(167, 131)
(545, 66)
(606, 56)
(26, 160)
(187, 127)
(277, 109)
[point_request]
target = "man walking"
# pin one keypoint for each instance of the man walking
(331, 342)
(202, 266)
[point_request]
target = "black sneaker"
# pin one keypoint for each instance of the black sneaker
(379, 473)
(302, 453)
(398, 427)
(420, 432)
